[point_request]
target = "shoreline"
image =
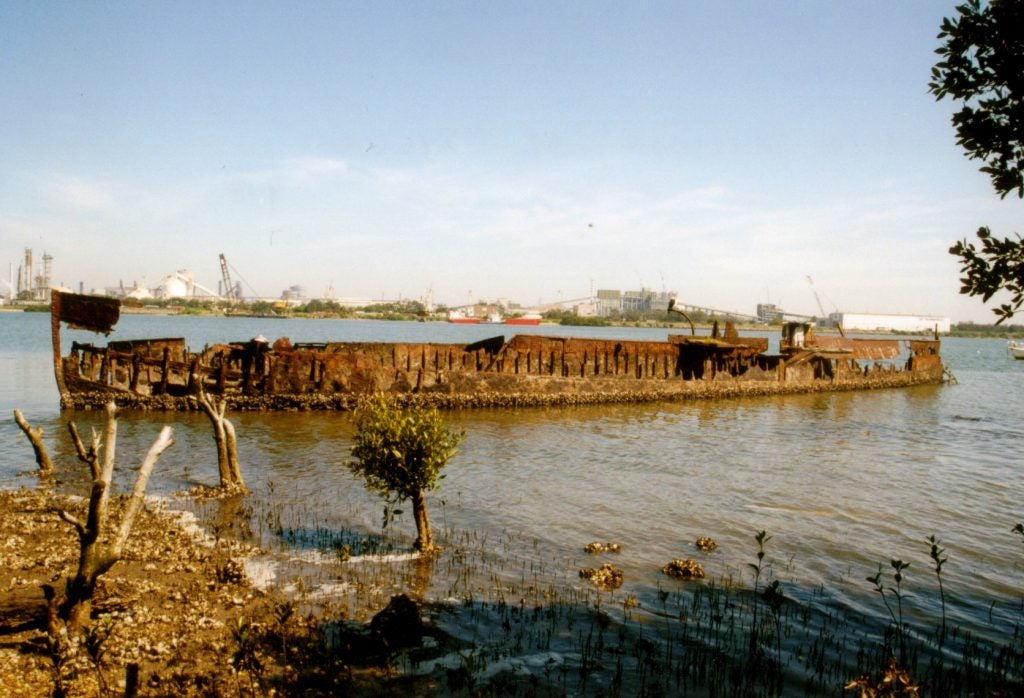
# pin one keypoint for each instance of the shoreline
(168, 600)
(174, 606)
(640, 324)
(188, 609)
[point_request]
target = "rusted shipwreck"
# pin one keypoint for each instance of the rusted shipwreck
(523, 370)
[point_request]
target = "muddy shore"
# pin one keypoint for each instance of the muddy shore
(178, 606)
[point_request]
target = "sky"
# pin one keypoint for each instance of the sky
(735, 153)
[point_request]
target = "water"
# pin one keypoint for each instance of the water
(842, 482)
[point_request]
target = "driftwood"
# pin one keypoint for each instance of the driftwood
(224, 435)
(35, 437)
(100, 546)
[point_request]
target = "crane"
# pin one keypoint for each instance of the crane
(810, 281)
(229, 289)
(824, 315)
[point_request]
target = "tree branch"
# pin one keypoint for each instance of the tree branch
(110, 441)
(162, 443)
(90, 457)
(35, 437)
(79, 526)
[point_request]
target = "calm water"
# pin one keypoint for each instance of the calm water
(842, 481)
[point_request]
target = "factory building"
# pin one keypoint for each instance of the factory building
(876, 322)
(610, 301)
(32, 284)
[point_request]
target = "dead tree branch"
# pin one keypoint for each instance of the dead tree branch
(99, 549)
(215, 409)
(35, 437)
(90, 457)
(135, 501)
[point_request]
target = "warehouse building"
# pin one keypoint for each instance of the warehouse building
(875, 322)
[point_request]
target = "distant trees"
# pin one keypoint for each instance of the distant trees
(982, 67)
(974, 329)
(317, 306)
(402, 310)
(261, 308)
(400, 454)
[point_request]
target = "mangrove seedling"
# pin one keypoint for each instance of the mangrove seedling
(245, 657)
(897, 616)
(938, 555)
(400, 454)
(774, 597)
(758, 567)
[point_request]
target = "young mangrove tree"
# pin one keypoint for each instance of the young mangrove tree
(400, 453)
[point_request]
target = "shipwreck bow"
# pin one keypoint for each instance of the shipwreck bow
(80, 312)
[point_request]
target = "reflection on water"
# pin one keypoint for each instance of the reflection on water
(841, 481)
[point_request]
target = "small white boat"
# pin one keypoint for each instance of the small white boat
(1016, 348)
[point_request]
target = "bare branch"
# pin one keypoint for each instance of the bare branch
(101, 485)
(90, 457)
(215, 409)
(110, 441)
(204, 402)
(73, 520)
(77, 441)
(162, 443)
(35, 437)
(231, 442)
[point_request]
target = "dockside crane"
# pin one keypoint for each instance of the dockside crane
(824, 315)
(821, 308)
(229, 288)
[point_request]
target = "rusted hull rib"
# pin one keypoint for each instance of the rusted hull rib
(524, 370)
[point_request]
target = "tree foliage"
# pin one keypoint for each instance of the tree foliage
(401, 453)
(997, 265)
(982, 67)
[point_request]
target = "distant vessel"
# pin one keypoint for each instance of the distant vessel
(460, 318)
(527, 319)
(1016, 348)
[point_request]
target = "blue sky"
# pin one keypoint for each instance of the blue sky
(523, 150)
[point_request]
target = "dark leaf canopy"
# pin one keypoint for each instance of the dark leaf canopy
(982, 67)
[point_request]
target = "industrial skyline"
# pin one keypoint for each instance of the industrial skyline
(182, 284)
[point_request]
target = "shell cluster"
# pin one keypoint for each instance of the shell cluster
(705, 544)
(597, 547)
(606, 577)
(684, 569)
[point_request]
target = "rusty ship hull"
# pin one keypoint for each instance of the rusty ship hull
(523, 370)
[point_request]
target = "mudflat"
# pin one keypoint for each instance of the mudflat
(177, 606)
